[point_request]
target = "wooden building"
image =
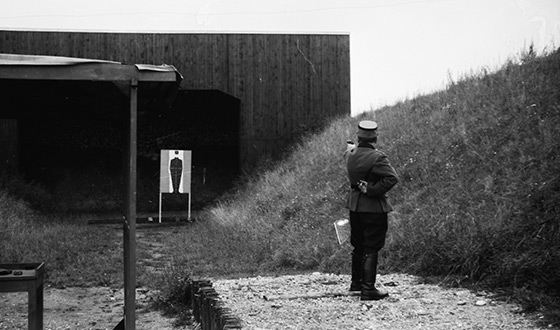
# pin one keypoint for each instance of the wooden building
(285, 84)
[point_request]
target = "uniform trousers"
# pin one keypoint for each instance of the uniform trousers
(367, 232)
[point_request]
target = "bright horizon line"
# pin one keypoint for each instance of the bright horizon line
(173, 31)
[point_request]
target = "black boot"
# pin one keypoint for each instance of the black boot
(357, 260)
(369, 292)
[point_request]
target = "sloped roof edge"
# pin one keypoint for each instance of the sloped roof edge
(20, 60)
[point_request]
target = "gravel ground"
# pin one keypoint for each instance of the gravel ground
(270, 303)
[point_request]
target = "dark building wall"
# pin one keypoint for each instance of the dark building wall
(288, 84)
(9, 141)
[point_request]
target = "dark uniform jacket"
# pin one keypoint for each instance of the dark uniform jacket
(364, 162)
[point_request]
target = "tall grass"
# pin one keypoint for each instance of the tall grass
(480, 185)
(477, 201)
(75, 254)
(282, 216)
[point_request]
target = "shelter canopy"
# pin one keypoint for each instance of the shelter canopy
(45, 87)
(33, 86)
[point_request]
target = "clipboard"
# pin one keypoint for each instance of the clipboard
(342, 229)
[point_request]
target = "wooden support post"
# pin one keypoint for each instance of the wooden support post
(130, 218)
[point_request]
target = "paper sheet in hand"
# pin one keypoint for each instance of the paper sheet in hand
(342, 228)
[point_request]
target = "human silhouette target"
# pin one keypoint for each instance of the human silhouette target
(176, 170)
(175, 175)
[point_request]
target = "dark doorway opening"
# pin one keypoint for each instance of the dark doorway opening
(205, 122)
(79, 161)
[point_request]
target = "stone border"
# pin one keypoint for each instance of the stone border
(209, 312)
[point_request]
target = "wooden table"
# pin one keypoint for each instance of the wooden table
(26, 277)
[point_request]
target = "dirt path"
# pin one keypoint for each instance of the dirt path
(81, 308)
(97, 308)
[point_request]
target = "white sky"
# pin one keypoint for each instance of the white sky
(398, 48)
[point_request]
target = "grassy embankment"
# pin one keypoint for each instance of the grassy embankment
(477, 202)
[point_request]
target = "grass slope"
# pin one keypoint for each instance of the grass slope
(477, 201)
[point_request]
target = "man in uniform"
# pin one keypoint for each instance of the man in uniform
(371, 176)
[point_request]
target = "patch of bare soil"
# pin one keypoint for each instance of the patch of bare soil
(95, 308)
(98, 308)
(321, 301)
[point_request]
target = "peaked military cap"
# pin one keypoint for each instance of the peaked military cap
(367, 129)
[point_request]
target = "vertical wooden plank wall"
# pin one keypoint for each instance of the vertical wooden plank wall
(288, 84)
